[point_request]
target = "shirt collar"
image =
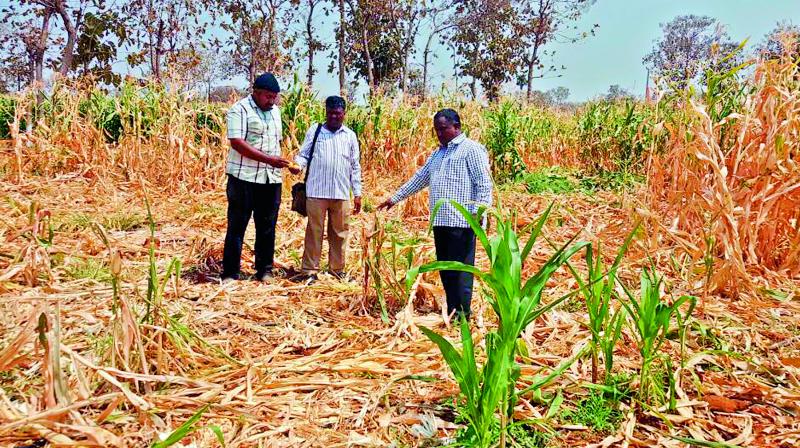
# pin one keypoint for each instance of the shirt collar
(325, 128)
(456, 141)
(258, 109)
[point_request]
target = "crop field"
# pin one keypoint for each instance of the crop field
(639, 280)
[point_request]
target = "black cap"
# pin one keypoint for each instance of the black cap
(267, 81)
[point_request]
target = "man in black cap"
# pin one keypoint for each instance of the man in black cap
(254, 176)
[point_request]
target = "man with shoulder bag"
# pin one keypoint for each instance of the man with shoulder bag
(330, 156)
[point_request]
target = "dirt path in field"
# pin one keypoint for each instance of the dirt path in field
(287, 365)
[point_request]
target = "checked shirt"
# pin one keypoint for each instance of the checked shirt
(262, 130)
(458, 171)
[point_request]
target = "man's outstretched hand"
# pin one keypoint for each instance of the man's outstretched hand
(278, 162)
(294, 168)
(386, 205)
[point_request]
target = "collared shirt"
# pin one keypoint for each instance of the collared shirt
(262, 130)
(335, 166)
(458, 171)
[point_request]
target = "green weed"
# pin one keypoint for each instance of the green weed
(123, 221)
(89, 268)
(550, 180)
(610, 181)
(596, 412)
(74, 222)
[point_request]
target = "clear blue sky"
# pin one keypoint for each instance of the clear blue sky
(628, 29)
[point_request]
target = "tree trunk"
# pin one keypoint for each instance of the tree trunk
(529, 92)
(425, 54)
(533, 58)
(342, 80)
(404, 78)
(37, 53)
(310, 41)
(156, 49)
(473, 88)
(368, 58)
(72, 37)
(409, 43)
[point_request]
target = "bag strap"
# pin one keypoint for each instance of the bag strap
(311, 154)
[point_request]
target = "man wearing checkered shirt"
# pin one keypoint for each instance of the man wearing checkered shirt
(458, 170)
(254, 176)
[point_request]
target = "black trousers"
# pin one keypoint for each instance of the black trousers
(262, 201)
(456, 244)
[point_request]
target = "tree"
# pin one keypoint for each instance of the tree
(341, 36)
(14, 64)
(485, 43)
(439, 21)
(783, 40)
(405, 19)
(374, 44)
(540, 22)
(33, 20)
(558, 95)
(63, 36)
(689, 45)
(617, 92)
(259, 40)
(310, 36)
(102, 33)
(160, 30)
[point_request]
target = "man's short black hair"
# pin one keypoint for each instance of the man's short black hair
(335, 102)
(450, 115)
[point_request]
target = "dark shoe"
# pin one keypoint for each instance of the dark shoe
(304, 278)
(342, 276)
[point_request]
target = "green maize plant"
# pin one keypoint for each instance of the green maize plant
(598, 292)
(8, 107)
(300, 109)
(501, 142)
(492, 388)
(652, 319)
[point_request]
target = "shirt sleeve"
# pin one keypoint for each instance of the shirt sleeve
(421, 179)
(305, 149)
(478, 166)
(355, 166)
(237, 122)
(279, 125)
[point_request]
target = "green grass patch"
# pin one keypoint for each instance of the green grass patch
(124, 221)
(552, 179)
(610, 181)
(74, 222)
(573, 305)
(89, 268)
(595, 412)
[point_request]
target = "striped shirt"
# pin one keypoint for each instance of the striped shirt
(262, 130)
(335, 166)
(458, 171)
